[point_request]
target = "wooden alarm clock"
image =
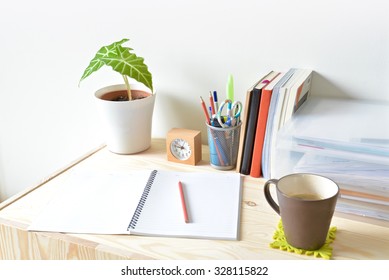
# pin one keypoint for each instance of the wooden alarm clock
(183, 146)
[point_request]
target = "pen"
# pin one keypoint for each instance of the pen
(216, 105)
(205, 110)
(229, 114)
(183, 203)
(212, 103)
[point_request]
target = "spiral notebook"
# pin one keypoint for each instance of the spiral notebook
(145, 203)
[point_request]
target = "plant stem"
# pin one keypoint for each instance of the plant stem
(128, 87)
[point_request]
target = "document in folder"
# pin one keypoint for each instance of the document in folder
(356, 126)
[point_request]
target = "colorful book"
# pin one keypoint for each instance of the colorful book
(297, 95)
(252, 123)
(274, 114)
(244, 119)
(256, 161)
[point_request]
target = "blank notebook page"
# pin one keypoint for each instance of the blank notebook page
(106, 203)
(212, 200)
(93, 202)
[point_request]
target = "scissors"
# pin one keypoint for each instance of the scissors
(233, 113)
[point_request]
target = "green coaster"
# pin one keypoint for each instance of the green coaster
(324, 252)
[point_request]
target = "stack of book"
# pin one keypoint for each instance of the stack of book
(345, 140)
(270, 103)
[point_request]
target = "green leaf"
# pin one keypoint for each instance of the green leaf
(129, 64)
(122, 61)
(96, 62)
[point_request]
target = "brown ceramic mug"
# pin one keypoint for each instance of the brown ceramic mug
(306, 204)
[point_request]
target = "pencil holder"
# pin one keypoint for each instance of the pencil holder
(223, 146)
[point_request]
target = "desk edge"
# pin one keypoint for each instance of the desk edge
(23, 193)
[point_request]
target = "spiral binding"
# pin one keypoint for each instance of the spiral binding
(142, 201)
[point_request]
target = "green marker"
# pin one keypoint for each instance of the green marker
(230, 88)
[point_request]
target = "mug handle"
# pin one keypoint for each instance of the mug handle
(268, 196)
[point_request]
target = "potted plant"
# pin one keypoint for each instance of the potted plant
(126, 109)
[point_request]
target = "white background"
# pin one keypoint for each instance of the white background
(46, 120)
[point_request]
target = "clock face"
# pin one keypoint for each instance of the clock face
(180, 149)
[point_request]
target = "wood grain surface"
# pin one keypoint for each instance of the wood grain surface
(355, 239)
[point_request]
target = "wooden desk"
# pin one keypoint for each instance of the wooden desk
(354, 240)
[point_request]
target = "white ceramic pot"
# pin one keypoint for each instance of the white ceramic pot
(127, 124)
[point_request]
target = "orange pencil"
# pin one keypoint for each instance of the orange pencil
(212, 103)
(183, 202)
(205, 110)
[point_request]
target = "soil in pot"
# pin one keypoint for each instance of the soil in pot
(121, 95)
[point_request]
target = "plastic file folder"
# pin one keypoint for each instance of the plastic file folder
(345, 140)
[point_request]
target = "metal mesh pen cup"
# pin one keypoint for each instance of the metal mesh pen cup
(223, 146)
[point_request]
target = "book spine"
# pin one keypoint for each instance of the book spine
(250, 132)
(243, 131)
(256, 161)
(142, 200)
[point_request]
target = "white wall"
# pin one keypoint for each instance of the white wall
(46, 120)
